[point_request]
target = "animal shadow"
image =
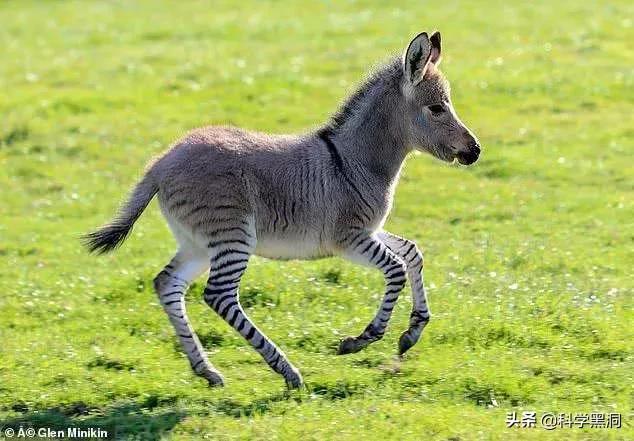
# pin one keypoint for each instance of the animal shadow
(126, 421)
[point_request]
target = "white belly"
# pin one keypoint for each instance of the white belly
(285, 248)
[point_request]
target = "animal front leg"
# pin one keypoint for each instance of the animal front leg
(363, 247)
(413, 258)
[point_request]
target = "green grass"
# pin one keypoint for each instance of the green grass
(529, 254)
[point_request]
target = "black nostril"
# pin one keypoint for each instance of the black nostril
(474, 146)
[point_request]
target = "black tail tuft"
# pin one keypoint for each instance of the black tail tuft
(107, 238)
(111, 235)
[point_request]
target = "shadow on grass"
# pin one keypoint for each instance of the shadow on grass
(327, 391)
(154, 417)
(259, 406)
(130, 420)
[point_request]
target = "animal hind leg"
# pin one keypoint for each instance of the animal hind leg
(420, 315)
(362, 246)
(170, 285)
(230, 247)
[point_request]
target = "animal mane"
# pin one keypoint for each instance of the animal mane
(387, 75)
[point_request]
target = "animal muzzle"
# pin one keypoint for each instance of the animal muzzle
(470, 155)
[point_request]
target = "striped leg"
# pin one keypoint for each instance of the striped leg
(229, 257)
(367, 249)
(420, 315)
(170, 285)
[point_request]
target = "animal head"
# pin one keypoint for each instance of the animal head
(433, 122)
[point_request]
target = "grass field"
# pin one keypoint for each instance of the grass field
(529, 254)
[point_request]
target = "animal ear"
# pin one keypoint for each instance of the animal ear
(435, 48)
(416, 58)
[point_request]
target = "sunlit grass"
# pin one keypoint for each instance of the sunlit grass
(529, 254)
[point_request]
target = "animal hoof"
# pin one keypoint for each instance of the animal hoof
(405, 342)
(216, 383)
(214, 378)
(295, 380)
(349, 345)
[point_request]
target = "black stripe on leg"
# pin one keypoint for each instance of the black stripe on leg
(222, 283)
(216, 243)
(384, 256)
(230, 251)
(169, 294)
(222, 299)
(216, 291)
(396, 283)
(228, 273)
(231, 262)
(388, 273)
(419, 316)
(376, 251)
(409, 249)
(273, 363)
(241, 325)
(234, 316)
(367, 247)
(215, 301)
(227, 307)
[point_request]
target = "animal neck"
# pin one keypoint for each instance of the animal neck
(369, 130)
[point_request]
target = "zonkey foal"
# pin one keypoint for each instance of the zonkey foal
(228, 194)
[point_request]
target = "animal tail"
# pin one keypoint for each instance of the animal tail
(111, 235)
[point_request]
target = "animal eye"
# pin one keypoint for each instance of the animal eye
(436, 108)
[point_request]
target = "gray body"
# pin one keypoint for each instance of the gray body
(287, 186)
(227, 194)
